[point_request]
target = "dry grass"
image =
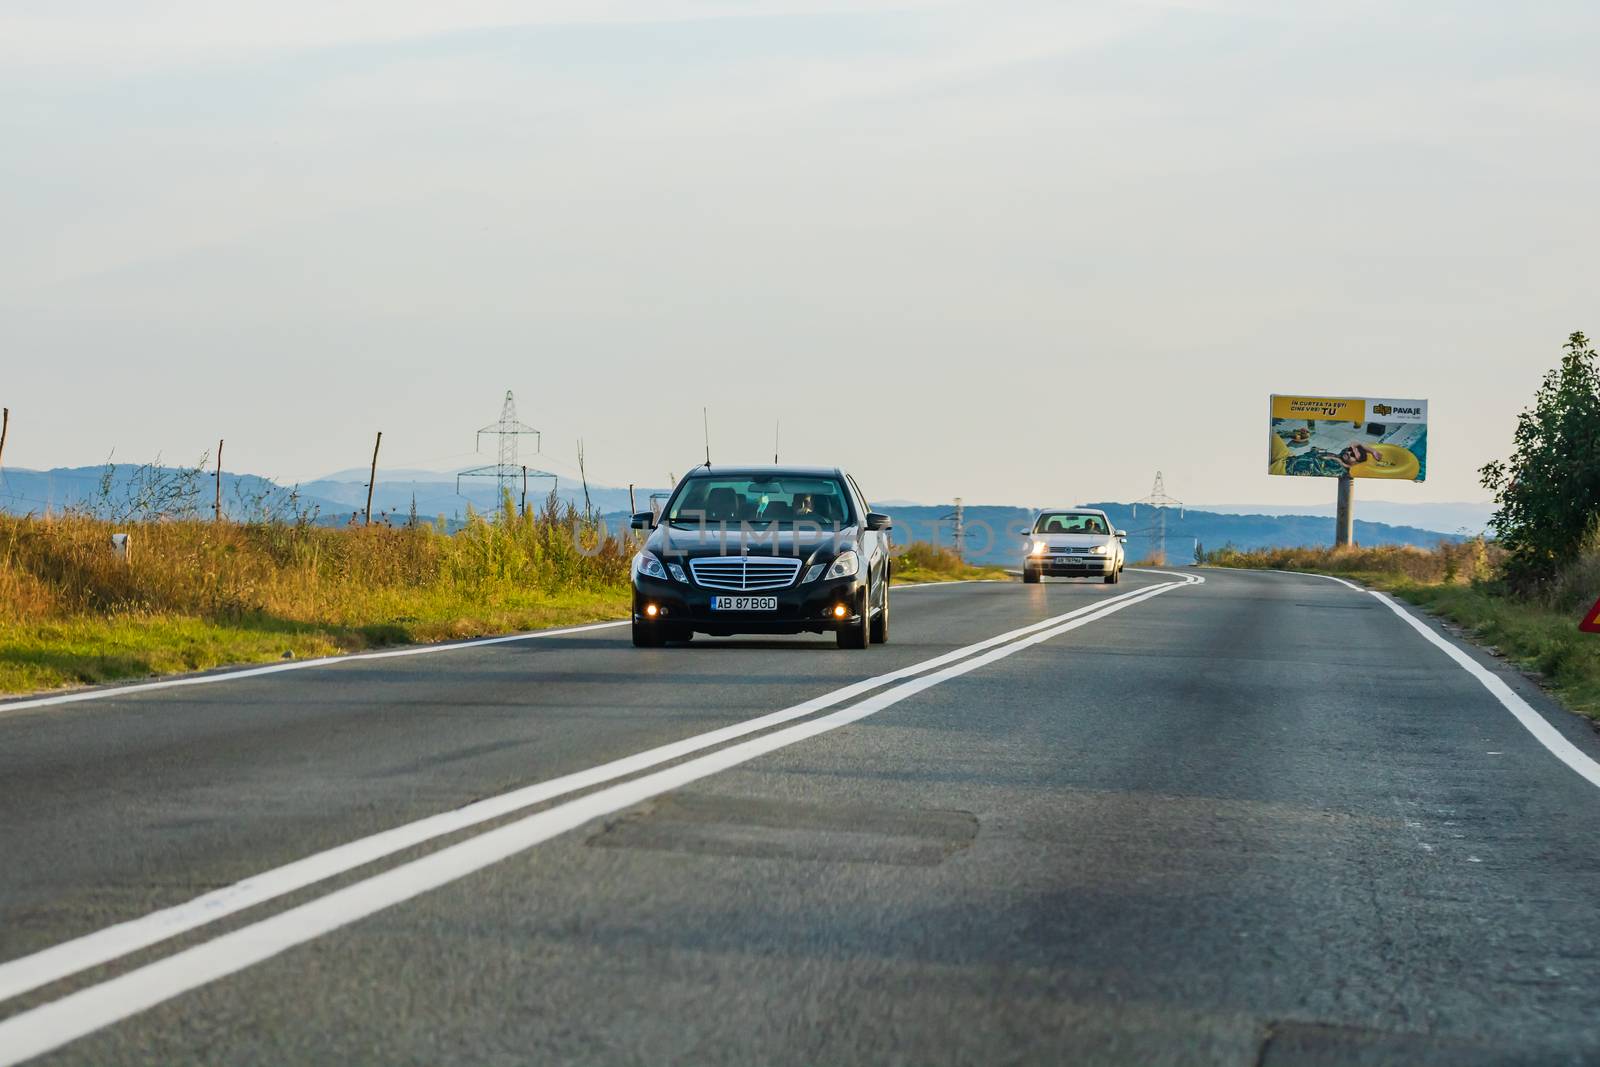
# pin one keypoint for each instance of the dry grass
(198, 594)
(920, 561)
(1462, 563)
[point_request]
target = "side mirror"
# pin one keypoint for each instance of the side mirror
(1122, 535)
(878, 521)
(642, 520)
(1025, 532)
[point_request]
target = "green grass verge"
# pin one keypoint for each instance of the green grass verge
(89, 650)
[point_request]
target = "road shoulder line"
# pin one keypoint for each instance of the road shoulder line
(1535, 723)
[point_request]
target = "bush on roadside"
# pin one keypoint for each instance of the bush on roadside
(1548, 492)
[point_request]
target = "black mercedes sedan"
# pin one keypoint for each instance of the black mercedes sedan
(763, 550)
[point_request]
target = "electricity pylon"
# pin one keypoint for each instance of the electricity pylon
(1159, 500)
(509, 429)
(959, 530)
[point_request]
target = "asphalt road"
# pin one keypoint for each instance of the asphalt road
(1258, 820)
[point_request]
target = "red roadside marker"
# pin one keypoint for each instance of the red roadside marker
(1591, 621)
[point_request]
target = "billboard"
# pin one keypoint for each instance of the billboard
(1365, 437)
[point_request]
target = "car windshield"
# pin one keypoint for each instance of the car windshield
(760, 501)
(1071, 523)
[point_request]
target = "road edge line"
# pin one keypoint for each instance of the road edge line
(1536, 724)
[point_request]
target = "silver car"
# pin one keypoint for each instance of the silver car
(1073, 543)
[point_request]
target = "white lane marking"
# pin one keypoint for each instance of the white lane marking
(323, 661)
(291, 665)
(1531, 720)
(1521, 710)
(1297, 574)
(48, 965)
(49, 1026)
(1193, 578)
(1342, 581)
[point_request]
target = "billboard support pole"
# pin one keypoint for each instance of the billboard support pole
(1345, 523)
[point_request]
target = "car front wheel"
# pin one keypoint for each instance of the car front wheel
(880, 622)
(856, 634)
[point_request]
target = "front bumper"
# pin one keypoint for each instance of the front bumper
(1070, 565)
(804, 608)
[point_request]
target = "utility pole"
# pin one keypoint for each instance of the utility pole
(507, 431)
(524, 490)
(1344, 524)
(958, 533)
(5, 426)
(1159, 500)
(373, 477)
(217, 507)
(584, 475)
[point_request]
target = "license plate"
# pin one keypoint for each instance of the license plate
(744, 603)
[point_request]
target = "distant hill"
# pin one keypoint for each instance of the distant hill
(993, 537)
(1463, 517)
(24, 491)
(436, 494)
(245, 495)
(992, 531)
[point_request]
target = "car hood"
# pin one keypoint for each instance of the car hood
(680, 544)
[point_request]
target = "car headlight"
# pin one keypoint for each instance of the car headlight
(677, 572)
(847, 564)
(646, 563)
(813, 572)
(1100, 550)
(1040, 547)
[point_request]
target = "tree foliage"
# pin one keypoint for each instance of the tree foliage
(1547, 494)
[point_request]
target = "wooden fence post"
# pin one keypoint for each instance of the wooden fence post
(373, 477)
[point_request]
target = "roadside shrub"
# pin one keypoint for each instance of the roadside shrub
(1548, 492)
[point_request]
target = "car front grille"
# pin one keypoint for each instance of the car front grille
(744, 572)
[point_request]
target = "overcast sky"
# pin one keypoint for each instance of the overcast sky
(1020, 253)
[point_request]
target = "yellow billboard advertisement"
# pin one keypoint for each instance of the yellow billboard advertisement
(1364, 437)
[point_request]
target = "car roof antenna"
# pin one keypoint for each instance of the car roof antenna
(777, 427)
(705, 425)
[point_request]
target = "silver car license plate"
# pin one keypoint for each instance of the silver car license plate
(744, 603)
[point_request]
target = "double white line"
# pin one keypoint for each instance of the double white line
(58, 1022)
